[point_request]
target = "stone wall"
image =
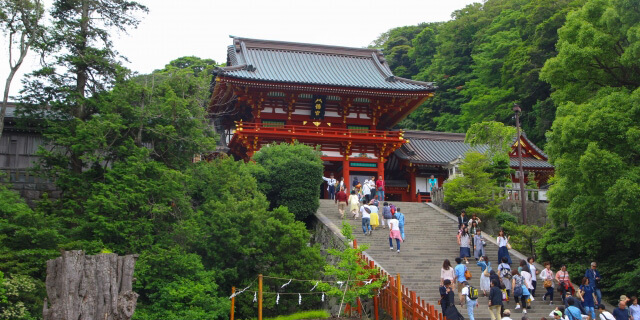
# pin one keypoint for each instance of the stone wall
(328, 236)
(30, 187)
(536, 211)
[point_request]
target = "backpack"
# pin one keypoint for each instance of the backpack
(517, 290)
(386, 212)
(505, 272)
(473, 293)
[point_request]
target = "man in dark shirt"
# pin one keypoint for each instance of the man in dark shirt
(462, 219)
(621, 312)
(594, 277)
(341, 200)
(444, 297)
(495, 300)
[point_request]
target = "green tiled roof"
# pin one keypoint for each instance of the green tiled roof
(299, 63)
(440, 148)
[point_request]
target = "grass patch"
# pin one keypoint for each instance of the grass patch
(314, 314)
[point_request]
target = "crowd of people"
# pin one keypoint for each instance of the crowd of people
(508, 283)
(365, 201)
(501, 285)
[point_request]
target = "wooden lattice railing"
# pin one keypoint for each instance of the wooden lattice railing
(412, 307)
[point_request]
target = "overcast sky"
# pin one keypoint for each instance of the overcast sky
(201, 28)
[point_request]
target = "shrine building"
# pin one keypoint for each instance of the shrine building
(343, 100)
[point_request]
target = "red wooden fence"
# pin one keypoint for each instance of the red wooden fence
(412, 306)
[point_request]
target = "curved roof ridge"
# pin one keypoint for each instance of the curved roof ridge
(302, 46)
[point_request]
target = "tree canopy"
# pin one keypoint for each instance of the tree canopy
(483, 60)
(594, 144)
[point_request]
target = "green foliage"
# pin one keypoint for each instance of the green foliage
(314, 314)
(290, 175)
(174, 284)
(20, 298)
(499, 139)
(349, 268)
(483, 60)
(594, 144)
(524, 238)
(504, 217)
(235, 227)
(475, 190)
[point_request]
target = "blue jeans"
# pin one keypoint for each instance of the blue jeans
(549, 293)
(599, 295)
(401, 231)
(590, 311)
(470, 305)
(366, 225)
(380, 195)
(397, 243)
(332, 192)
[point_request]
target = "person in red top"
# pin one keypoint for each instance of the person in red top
(341, 200)
(380, 188)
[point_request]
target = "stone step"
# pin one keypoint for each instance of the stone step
(431, 238)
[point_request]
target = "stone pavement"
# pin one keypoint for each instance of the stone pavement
(430, 238)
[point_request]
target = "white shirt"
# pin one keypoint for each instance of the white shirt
(606, 315)
(364, 212)
(527, 279)
(373, 209)
(533, 270)
(330, 181)
(465, 292)
(394, 224)
(502, 242)
(365, 188)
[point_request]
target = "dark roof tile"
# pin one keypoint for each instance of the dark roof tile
(301, 63)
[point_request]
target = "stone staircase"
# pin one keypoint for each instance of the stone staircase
(431, 238)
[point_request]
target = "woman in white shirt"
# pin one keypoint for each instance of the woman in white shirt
(354, 204)
(502, 247)
(447, 273)
(394, 233)
(534, 273)
(547, 277)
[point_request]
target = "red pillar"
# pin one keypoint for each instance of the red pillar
(345, 174)
(380, 169)
(412, 185)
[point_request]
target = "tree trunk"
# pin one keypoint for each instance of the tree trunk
(90, 287)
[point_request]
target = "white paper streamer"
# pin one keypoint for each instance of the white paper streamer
(319, 282)
(255, 296)
(299, 298)
(239, 292)
(323, 297)
(278, 299)
(286, 284)
(340, 283)
(368, 282)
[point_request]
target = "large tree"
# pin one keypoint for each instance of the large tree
(20, 20)
(84, 64)
(594, 144)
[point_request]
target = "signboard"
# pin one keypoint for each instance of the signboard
(318, 107)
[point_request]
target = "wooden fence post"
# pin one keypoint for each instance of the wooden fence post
(414, 305)
(233, 302)
(260, 297)
(399, 284)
